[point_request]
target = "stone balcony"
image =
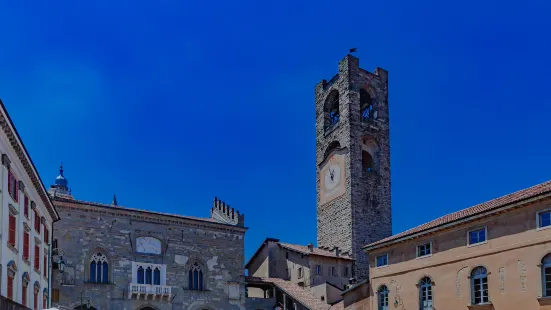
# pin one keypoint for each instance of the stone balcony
(149, 292)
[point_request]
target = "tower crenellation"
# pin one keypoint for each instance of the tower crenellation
(353, 161)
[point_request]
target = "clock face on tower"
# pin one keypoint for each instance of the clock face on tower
(332, 178)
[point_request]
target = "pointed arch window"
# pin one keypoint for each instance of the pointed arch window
(99, 268)
(479, 284)
(148, 275)
(157, 276)
(546, 275)
(382, 298)
(425, 294)
(141, 275)
(195, 276)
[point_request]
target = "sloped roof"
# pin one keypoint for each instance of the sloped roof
(315, 251)
(303, 296)
(338, 306)
(516, 197)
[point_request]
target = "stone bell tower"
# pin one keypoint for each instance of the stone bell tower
(353, 161)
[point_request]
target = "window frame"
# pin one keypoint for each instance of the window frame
(417, 252)
(472, 279)
(384, 304)
(542, 274)
(12, 231)
(377, 261)
(13, 183)
(318, 270)
(485, 228)
(538, 227)
(426, 287)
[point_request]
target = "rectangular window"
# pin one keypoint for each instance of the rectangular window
(26, 239)
(345, 272)
(37, 222)
(45, 264)
(544, 219)
(46, 235)
(24, 295)
(44, 303)
(300, 272)
(37, 258)
(35, 300)
(318, 270)
(12, 185)
(13, 230)
(332, 271)
(10, 287)
(424, 249)
(477, 236)
(26, 206)
(382, 260)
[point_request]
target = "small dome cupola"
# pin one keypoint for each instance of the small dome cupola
(61, 181)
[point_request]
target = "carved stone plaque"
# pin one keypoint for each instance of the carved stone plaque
(148, 245)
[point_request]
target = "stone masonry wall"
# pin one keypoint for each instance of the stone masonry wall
(363, 214)
(84, 230)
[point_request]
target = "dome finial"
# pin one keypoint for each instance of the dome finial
(114, 200)
(61, 169)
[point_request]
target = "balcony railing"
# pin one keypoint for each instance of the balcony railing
(149, 291)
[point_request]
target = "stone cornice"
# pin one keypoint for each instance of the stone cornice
(17, 144)
(145, 215)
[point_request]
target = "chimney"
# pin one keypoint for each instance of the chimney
(310, 247)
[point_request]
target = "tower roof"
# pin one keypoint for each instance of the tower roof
(61, 180)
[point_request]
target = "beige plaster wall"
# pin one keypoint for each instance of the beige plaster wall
(512, 253)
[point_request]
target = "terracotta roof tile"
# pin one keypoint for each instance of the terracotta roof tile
(515, 197)
(338, 306)
(315, 251)
(303, 296)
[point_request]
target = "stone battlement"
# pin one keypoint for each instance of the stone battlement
(224, 213)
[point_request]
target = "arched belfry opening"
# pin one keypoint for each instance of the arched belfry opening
(367, 161)
(331, 110)
(367, 107)
(330, 148)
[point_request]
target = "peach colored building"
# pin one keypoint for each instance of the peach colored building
(495, 255)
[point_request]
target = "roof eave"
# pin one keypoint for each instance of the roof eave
(518, 204)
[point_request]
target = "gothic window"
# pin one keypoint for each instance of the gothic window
(382, 298)
(195, 277)
(425, 293)
(331, 110)
(366, 106)
(546, 275)
(141, 277)
(148, 275)
(479, 286)
(157, 277)
(367, 161)
(99, 268)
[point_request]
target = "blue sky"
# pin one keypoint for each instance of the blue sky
(171, 103)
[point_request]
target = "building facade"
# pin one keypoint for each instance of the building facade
(321, 274)
(353, 161)
(120, 258)
(26, 218)
(495, 255)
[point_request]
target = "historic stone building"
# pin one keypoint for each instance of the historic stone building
(353, 195)
(120, 258)
(353, 161)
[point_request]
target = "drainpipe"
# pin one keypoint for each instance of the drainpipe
(49, 261)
